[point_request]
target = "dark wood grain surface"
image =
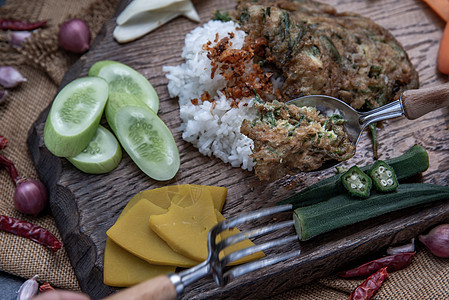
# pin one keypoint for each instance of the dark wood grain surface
(85, 206)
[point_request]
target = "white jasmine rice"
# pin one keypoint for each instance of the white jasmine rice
(213, 128)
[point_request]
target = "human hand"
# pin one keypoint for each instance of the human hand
(61, 295)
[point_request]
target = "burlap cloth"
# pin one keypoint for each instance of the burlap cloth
(44, 64)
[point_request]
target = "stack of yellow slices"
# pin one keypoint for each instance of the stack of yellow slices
(162, 229)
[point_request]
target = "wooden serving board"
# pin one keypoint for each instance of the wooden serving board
(85, 206)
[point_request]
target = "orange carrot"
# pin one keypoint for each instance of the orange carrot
(441, 7)
(443, 52)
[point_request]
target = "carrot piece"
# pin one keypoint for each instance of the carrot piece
(441, 7)
(443, 52)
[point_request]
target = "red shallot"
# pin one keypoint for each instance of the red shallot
(437, 240)
(74, 36)
(10, 77)
(30, 196)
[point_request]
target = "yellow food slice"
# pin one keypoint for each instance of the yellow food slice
(219, 195)
(186, 194)
(185, 229)
(131, 232)
(186, 224)
(163, 196)
(238, 246)
(123, 269)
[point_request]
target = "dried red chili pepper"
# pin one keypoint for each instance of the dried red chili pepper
(45, 287)
(370, 286)
(28, 230)
(8, 24)
(391, 262)
(11, 168)
(3, 142)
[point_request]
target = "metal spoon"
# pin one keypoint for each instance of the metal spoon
(412, 104)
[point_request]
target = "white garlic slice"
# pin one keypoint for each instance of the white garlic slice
(142, 16)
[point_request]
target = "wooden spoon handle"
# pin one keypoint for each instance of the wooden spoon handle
(421, 101)
(158, 288)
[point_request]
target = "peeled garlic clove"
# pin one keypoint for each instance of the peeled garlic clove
(28, 289)
(410, 247)
(10, 77)
(17, 38)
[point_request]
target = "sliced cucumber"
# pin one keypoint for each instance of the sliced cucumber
(74, 116)
(116, 101)
(124, 79)
(102, 155)
(148, 142)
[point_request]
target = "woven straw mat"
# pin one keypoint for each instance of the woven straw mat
(43, 64)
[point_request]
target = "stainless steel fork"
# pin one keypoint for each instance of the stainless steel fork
(172, 286)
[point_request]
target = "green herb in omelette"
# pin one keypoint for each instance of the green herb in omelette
(221, 16)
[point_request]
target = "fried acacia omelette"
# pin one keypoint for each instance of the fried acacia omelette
(317, 50)
(312, 49)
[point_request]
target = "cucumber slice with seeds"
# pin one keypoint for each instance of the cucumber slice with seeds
(102, 155)
(124, 79)
(148, 142)
(75, 115)
(116, 101)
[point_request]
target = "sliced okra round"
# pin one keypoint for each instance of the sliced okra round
(383, 176)
(357, 182)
